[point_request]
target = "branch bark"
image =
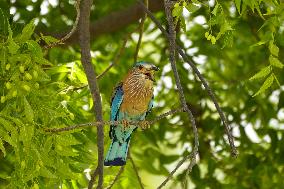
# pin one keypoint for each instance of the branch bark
(116, 177)
(84, 35)
(72, 31)
(84, 125)
(185, 158)
(136, 172)
(141, 28)
(172, 49)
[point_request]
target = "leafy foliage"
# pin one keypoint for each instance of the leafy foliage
(40, 88)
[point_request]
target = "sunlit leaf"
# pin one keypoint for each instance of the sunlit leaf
(27, 31)
(262, 73)
(275, 62)
(274, 50)
(215, 10)
(2, 148)
(267, 83)
(28, 110)
(238, 5)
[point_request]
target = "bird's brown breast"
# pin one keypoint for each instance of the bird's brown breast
(136, 96)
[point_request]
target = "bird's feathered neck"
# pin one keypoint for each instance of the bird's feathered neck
(136, 86)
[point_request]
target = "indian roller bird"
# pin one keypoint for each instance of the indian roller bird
(132, 100)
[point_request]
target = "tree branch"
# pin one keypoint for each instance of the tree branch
(141, 28)
(117, 57)
(116, 177)
(172, 48)
(68, 35)
(136, 171)
(192, 163)
(202, 79)
(84, 35)
(91, 124)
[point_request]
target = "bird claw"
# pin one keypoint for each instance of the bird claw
(125, 123)
(145, 124)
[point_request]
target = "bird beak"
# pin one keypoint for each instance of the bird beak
(155, 68)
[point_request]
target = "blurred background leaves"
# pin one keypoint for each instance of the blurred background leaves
(230, 41)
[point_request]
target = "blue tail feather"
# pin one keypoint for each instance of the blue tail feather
(117, 153)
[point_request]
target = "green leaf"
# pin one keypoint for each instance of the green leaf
(27, 31)
(26, 134)
(191, 7)
(215, 10)
(65, 150)
(238, 5)
(6, 137)
(274, 50)
(13, 47)
(66, 140)
(42, 61)
(182, 24)
(275, 62)
(29, 113)
(177, 11)
(277, 81)
(35, 48)
(49, 39)
(267, 83)
(7, 125)
(3, 58)
(262, 73)
(3, 23)
(259, 43)
(46, 173)
(226, 26)
(2, 148)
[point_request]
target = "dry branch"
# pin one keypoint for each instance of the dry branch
(84, 35)
(172, 48)
(72, 31)
(136, 171)
(192, 163)
(141, 28)
(117, 56)
(116, 177)
(91, 124)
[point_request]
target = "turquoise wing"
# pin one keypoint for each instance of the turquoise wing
(115, 105)
(150, 106)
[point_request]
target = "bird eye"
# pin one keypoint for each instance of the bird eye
(140, 67)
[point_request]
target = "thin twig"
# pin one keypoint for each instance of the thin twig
(141, 28)
(136, 171)
(84, 35)
(189, 169)
(172, 48)
(74, 28)
(95, 174)
(185, 158)
(117, 56)
(116, 177)
(115, 61)
(91, 124)
(120, 170)
(202, 79)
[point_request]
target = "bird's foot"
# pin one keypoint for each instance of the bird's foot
(144, 124)
(125, 123)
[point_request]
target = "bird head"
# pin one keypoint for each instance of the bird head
(147, 70)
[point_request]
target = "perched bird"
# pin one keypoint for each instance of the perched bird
(132, 100)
